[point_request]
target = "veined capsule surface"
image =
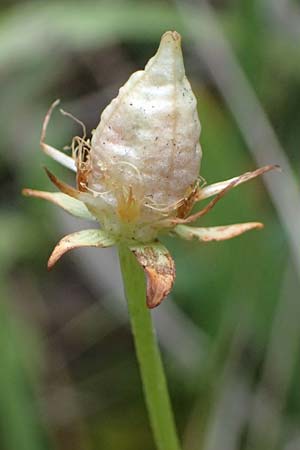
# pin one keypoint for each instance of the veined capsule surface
(145, 153)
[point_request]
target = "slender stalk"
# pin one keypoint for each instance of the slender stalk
(148, 355)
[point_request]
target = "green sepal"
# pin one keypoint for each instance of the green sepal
(84, 238)
(220, 233)
(70, 204)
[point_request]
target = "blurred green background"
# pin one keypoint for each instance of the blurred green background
(230, 334)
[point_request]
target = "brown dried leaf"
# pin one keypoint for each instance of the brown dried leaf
(159, 268)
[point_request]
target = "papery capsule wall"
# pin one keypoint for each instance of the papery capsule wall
(147, 142)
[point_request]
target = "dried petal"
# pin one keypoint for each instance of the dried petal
(216, 188)
(220, 233)
(55, 154)
(219, 189)
(63, 187)
(159, 267)
(207, 208)
(85, 238)
(69, 204)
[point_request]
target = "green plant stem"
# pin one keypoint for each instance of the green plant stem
(148, 354)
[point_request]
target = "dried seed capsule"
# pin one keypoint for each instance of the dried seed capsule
(145, 153)
(138, 175)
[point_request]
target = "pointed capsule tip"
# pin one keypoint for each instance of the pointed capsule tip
(168, 58)
(171, 35)
(171, 38)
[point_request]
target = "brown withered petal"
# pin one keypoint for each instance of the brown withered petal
(159, 268)
(220, 233)
(220, 189)
(208, 207)
(63, 187)
(85, 238)
(216, 188)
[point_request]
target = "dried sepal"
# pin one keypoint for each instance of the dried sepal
(159, 268)
(188, 202)
(220, 233)
(93, 203)
(71, 205)
(198, 214)
(55, 154)
(219, 189)
(207, 208)
(63, 187)
(84, 238)
(216, 188)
